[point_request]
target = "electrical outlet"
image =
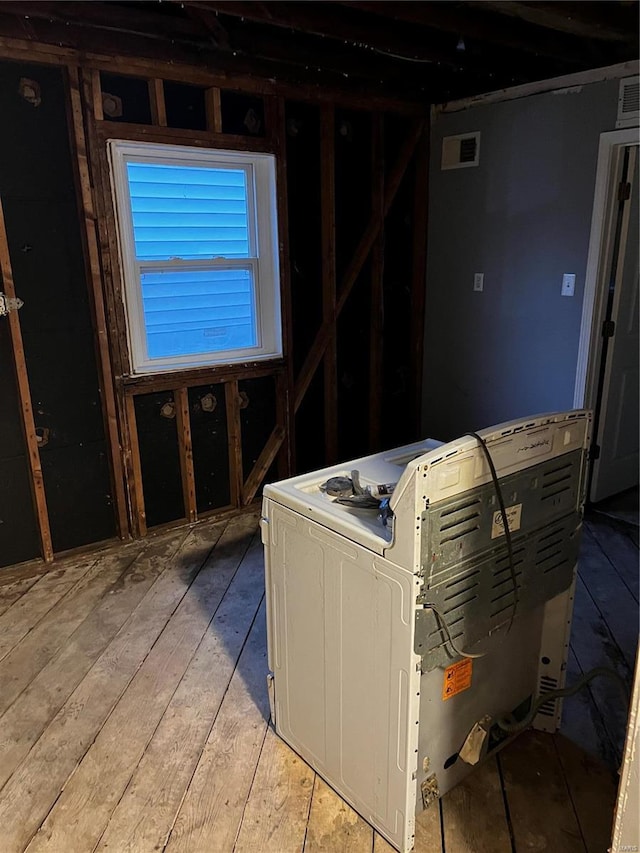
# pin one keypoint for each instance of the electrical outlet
(568, 284)
(478, 281)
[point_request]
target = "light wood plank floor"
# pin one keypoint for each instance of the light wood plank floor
(134, 716)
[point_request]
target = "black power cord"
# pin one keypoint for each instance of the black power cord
(505, 522)
(512, 569)
(508, 723)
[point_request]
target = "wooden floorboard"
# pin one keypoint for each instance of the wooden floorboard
(24, 615)
(611, 596)
(594, 646)
(14, 583)
(82, 811)
(134, 715)
(52, 631)
(277, 810)
(583, 722)
(144, 816)
(34, 787)
(540, 808)
(25, 720)
(210, 815)
(474, 816)
(333, 824)
(592, 788)
(618, 548)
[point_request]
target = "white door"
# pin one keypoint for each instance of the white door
(616, 469)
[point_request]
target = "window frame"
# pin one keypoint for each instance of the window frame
(263, 260)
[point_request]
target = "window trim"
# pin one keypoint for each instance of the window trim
(260, 169)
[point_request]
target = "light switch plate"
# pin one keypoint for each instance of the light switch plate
(478, 281)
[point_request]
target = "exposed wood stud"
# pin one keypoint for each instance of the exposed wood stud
(419, 272)
(377, 295)
(99, 317)
(328, 240)
(185, 450)
(262, 465)
(136, 491)
(156, 100)
(276, 107)
(213, 109)
(96, 95)
(22, 380)
(113, 303)
(234, 432)
(282, 410)
(357, 262)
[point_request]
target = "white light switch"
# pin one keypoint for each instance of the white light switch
(478, 281)
(568, 284)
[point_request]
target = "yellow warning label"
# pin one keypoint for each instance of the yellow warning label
(457, 678)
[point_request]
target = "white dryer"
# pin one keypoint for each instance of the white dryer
(394, 649)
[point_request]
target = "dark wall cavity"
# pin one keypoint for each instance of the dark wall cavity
(44, 233)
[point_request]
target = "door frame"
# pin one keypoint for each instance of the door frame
(610, 151)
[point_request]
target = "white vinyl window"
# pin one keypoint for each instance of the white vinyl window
(198, 241)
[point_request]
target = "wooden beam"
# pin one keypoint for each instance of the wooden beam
(185, 451)
(96, 95)
(357, 262)
(24, 394)
(277, 117)
(113, 300)
(136, 491)
(213, 109)
(376, 340)
(201, 74)
(262, 465)
(282, 416)
(180, 136)
(85, 193)
(276, 56)
(148, 383)
(328, 250)
(419, 273)
(234, 437)
(156, 100)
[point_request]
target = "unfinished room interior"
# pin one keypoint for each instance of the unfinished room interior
(319, 426)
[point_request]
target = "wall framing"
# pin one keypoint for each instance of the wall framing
(90, 128)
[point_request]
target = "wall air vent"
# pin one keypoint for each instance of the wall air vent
(462, 151)
(629, 102)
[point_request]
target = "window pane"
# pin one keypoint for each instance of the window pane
(188, 212)
(190, 312)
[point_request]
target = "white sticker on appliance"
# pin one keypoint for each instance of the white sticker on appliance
(514, 514)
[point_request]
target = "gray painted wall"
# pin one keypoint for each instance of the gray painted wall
(522, 217)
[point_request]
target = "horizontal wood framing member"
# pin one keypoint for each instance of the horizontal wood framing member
(179, 136)
(25, 50)
(133, 385)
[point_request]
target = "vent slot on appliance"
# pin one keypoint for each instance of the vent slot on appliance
(547, 684)
(629, 102)
(461, 151)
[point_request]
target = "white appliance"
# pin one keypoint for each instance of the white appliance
(365, 683)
